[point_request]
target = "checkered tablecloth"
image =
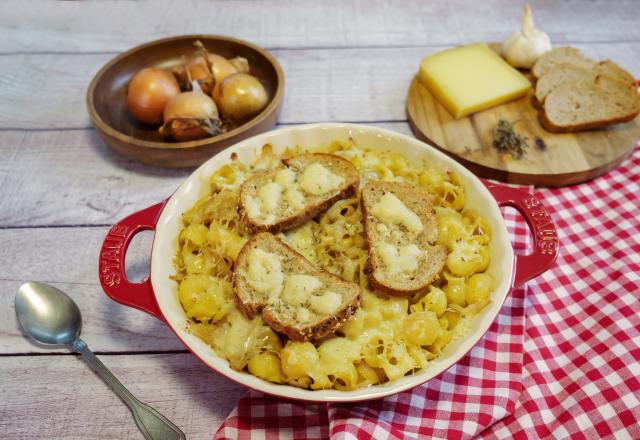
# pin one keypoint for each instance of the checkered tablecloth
(562, 360)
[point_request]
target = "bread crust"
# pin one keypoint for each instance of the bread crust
(283, 224)
(550, 126)
(437, 255)
(323, 328)
(270, 317)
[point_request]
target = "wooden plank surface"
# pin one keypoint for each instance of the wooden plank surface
(357, 85)
(59, 397)
(60, 186)
(43, 186)
(309, 23)
(71, 264)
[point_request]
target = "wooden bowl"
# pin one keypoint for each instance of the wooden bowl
(107, 104)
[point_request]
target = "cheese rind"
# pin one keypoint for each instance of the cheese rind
(471, 78)
(391, 211)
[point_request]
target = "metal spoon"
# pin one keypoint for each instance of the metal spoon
(50, 316)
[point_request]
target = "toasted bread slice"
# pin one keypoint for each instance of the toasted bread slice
(401, 231)
(294, 296)
(560, 55)
(306, 185)
(604, 102)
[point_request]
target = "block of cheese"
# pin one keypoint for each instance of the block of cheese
(471, 78)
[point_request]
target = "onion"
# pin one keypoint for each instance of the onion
(190, 116)
(149, 92)
(199, 70)
(240, 97)
(221, 67)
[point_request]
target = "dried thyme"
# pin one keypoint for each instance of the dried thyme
(506, 140)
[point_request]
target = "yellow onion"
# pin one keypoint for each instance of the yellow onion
(240, 97)
(200, 71)
(221, 67)
(190, 116)
(149, 92)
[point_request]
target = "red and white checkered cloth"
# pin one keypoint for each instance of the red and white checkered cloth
(561, 360)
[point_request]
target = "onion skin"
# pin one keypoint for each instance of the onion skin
(240, 96)
(149, 92)
(190, 116)
(221, 67)
(199, 70)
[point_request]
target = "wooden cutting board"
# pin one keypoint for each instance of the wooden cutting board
(564, 159)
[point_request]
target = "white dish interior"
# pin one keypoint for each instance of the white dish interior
(165, 246)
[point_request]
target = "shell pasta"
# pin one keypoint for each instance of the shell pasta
(388, 337)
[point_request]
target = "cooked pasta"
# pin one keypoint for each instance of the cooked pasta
(388, 337)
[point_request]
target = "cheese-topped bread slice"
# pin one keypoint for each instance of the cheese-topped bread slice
(305, 186)
(401, 231)
(294, 296)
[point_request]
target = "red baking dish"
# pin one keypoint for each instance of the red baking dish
(158, 294)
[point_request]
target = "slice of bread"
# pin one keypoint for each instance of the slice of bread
(401, 231)
(572, 75)
(294, 296)
(604, 102)
(560, 55)
(563, 56)
(560, 76)
(609, 68)
(306, 185)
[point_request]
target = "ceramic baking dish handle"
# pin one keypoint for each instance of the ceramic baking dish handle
(113, 277)
(545, 239)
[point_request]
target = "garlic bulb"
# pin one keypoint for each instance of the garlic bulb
(523, 48)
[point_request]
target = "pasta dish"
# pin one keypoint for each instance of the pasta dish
(387, 337)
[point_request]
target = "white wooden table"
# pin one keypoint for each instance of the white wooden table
(61, 187)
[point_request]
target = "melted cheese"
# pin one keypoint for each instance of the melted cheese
(269, 196)
(298, 288)
(252, 206)
(390, 210)
(264, 273)
(316, 180)
(294, 198)
(285, 177)
(399, 259)
(303, 315)
(326, 303)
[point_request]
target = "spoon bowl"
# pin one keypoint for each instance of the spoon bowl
(47, 314)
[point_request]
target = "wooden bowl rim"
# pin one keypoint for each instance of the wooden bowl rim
(109, 130)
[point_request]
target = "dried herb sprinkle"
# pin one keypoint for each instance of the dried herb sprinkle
(506, 140)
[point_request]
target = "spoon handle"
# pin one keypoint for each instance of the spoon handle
(152, 424)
